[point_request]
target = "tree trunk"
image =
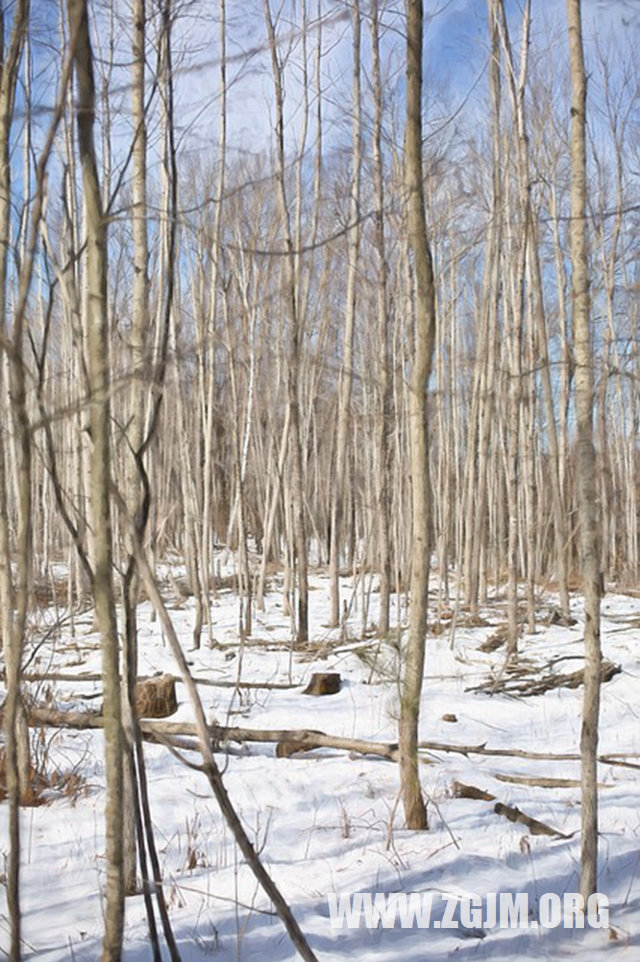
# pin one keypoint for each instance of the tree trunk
(339, 484)
(295, 445)
(384, 389)
(586, 468)
(14, 602)
(424, 340)
(98, 363)
(136, 423)
(476, 495)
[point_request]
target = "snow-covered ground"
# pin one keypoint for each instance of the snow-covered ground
(322, 820)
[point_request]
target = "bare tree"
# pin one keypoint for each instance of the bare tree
(136, 423)
(483, 404)
(346, 368)
(586, 468)
(98, 365)
(291, 294)
(424, 342)
(382, 304)
(208, 377)
(14, 602)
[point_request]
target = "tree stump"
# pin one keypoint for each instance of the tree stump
(324, 683)
(557, 618)
(287, 749)
(156, 697)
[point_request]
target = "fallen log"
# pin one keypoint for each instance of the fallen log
(96, 676)
(306, 738)
(536, 827)
(220, 734)
(461, 790)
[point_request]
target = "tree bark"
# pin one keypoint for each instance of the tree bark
(339, 487)
(99, 416)
(384, 388)
(135, 432)
(13, 601)
(295, 444)
(586, 468)
(482, 411)
(424, 340)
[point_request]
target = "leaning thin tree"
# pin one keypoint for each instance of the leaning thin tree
(586, 468)
(424, 341)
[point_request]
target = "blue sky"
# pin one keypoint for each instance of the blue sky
(456, 43)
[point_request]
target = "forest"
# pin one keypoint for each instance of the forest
(319, 479)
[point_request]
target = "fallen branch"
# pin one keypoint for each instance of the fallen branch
(532, 686)
(544, 782)
(460, 790)
(523, 753)
(305, 738)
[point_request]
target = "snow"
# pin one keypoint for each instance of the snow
(322, 820)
